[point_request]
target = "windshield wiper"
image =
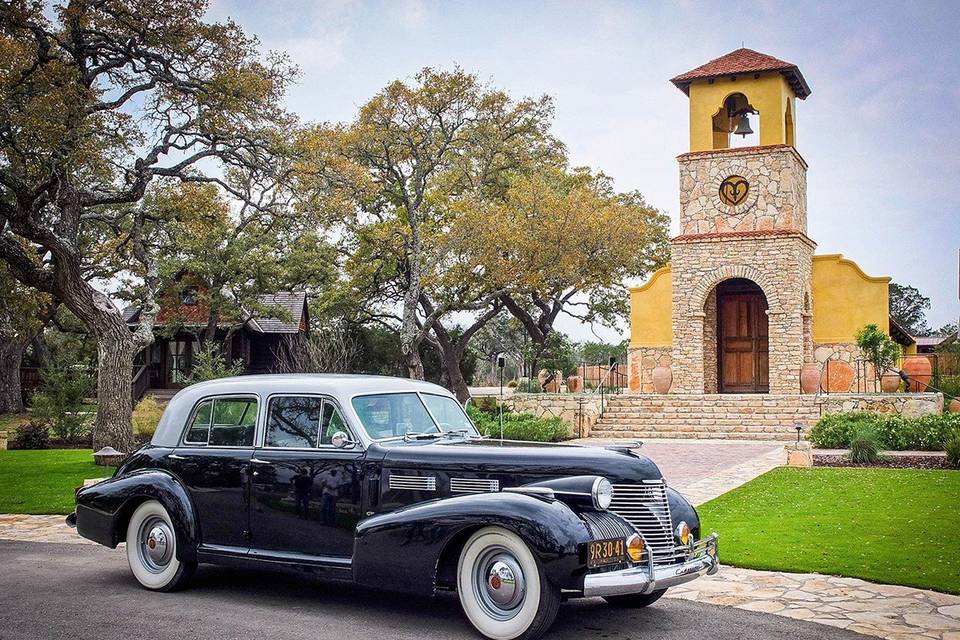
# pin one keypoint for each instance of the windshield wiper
(456, 432)
(422, 436)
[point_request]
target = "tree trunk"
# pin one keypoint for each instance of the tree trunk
(451, 366)
(414, 364)
(11, 395)
(115, 354)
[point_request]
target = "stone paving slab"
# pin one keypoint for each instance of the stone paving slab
(38, 529)
(884, 611)
(704, 469)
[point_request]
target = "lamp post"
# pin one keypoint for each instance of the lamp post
(501, 361)
(799, 427)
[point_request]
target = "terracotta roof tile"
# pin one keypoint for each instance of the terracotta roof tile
(743, 61)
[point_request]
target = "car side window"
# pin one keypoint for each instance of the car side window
(223, 422)
(294, 422)
(332, 423)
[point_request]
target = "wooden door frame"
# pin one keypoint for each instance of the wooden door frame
(756, 310)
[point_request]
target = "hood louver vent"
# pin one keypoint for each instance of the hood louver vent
(473, 485)
(413, 483)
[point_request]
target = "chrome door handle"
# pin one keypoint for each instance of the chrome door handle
(174, 456)
(259, 461)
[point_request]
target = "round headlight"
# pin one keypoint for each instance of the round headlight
(602, 494)
(683, 532)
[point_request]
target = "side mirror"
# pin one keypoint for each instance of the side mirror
(341, 440)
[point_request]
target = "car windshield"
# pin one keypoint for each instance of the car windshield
(391, 415)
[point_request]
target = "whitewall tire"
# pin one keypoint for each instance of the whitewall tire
(152, 549)
(502, 587)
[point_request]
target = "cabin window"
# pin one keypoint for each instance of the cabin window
(188, 296)
(223, 422)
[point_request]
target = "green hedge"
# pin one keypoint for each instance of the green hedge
(519, 426)
(926, 433)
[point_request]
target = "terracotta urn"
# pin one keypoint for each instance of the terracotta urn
(954, 406)
(920, 371)
(838, 376)
(890, 382)
(810, 377)
(574, 384)
(662, 379)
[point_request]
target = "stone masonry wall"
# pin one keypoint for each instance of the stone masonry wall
(641, 362)
(908, 405)
(777, 197)
(864, 379)
(780, 265)
(762, 239)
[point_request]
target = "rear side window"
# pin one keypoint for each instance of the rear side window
(223, 422)
(294, 422)
(302, 422)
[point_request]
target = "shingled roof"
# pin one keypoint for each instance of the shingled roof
(293, 302)
(744, 61)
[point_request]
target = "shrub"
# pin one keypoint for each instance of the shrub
(896, 433)
(952, 447)
(146, 416)
(59, 402)
(209, 364)
(878, 348)
(950, 385)
(864, 447)
(512, 384)
(528, 386)
(519, 426)
(32, 435)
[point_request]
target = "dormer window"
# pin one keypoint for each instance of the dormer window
(188, 296)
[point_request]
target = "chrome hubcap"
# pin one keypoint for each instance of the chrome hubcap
(499, 583)
(155, 544)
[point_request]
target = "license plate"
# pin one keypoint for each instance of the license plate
(604, 552)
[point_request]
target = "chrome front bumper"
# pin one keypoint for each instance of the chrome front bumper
(645, 579)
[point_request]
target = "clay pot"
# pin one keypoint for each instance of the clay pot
(809, 377)
(662, 379)
(574, 384)
(954, 406)
(890, 382)
(920, 371)
(838, 376)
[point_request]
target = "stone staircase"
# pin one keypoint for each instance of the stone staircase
(740, 417)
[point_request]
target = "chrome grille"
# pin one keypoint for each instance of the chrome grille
(604, 526)
(414, 483)
(473, 485)
(645, 506)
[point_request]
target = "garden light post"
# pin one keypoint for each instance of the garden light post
(799, 427)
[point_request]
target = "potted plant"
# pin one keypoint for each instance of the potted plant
(881, 351)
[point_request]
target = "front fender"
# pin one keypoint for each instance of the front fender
(103, 509)
(682, 511)
(402, 550)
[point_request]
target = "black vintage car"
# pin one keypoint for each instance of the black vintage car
(385, 482)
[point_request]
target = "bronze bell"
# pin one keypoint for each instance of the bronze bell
(743, 127)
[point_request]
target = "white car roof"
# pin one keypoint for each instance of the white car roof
(341, 387)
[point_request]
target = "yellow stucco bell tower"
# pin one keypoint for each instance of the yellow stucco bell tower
(743, 82)
(744, 306)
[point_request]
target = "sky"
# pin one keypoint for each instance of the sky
(880, 131)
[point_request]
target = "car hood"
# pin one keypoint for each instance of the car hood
(525, 461)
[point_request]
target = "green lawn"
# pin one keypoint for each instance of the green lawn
(44, 481)
(885, 525)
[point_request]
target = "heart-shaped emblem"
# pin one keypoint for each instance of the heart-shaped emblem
(734, 190)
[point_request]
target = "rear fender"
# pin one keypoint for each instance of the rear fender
(104, 509)
(402, 549)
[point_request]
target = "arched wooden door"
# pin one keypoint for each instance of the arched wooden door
(742, 338)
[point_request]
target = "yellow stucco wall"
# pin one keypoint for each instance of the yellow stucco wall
(651, 307)
(770, 94)
(845, 299)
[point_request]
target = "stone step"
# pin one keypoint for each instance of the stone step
(743, 416)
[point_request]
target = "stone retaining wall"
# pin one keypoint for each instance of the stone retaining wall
(579, 411)
(908, 405)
